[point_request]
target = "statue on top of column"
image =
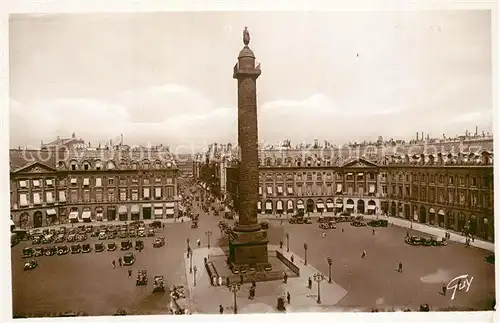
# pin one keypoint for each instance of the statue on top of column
(246, 37)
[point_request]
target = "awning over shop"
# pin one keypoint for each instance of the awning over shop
(158, 211)
(349, 174)
(320, 206)
(170, 205)
(329, 205)
(339, 205)
(350, 206)
(73, 215)
(300, 206)
(269, 206)
(86, 215)
(371, 207)
(146, 206)
(134, 209)
(122, 209)
(170, 211)
(73, 181)
(431, 210)
(51, 211)
(361, 174)
(441, 212)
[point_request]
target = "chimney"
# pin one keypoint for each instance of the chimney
(476, 132)
(417, 136)
(121, 139)
(422, 135)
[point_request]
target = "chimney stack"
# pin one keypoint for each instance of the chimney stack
(417, 136)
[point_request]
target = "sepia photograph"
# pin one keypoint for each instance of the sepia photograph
(232, 162)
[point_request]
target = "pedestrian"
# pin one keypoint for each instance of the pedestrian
(120, 261)
(198, 242)
(342, 229)
(363, 254)
(373, 232)
(407, 234)
(309, 283)
(163, 226)
(114, 264)
(285, 278)
(221, 309)
(443, 288)
(472, 236)
(220, 280)
(324, 234)
(254, 284)
(130, 273)
(281, 244)
(288, 297)
(400, 267)
(291, 258)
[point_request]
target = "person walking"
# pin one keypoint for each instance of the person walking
(363, 254)
(400, 267)
(291, 258)
(120, 261)
(373, 232)
(285, 278)
(221, 309)
(443, 289)
(130, 273)
(323, 234)
(288, 297)
(114, 264)
(309, 283)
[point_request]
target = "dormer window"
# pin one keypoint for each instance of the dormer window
(86, 167)
(73, 167)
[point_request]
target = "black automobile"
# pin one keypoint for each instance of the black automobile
(156, 224)
(62, 250)
(126, 245)
(86, 248)
(111, 246)
(76, 248)
(378, 223)
(99, 247)
(128, 259)
(28, 252)
(264, 225)
(139, 245)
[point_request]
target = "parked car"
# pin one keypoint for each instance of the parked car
(139, 245)
(159, 242)
(60, 238)
(111, 246)
(126, 245)
(102, 235)
(158, 284)
(142, 278)
(28, 252)
(151, 232)
(71, 238)
(50, 251)
(358, 223)
(378, 223)
(30, 264)
(62, 250)
(156, 224)
(38, 252)
(128, 259)
(131, 233)
(141, 233)
(99, 247)
(86, 248)
(76, 248)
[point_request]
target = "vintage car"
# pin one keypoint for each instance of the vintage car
(95, 233)
(38, 252)
(76, 248)
(264, 225)
(158, 284)
(142, 277)
(50, 251)
(307, 221)
(436, 242)
(28, 252)
(60, 238)
(111, 235)
(378, 223)
(324, 226)
(36, 239)
(490, 259)
(71, 238)
(221, 223)
(128, 259)
(30, 264)
(194, 224)
(413, 240)
(344, 218)
(81, 237)
(151, 233)
(358, 223)
(99, 247)
(325, 219)
(131, 233)
(120, 312)
(141, 233)
(139, 245)
(62, 230)
(111, 246)
(48, 238)
(122, 234)
(159, 242)
(102, 235)
(156, 224)
(86, 248)
(62, 250)
(125, 245)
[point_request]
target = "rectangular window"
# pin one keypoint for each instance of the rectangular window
(169, 180)
(145, 194)
(145, 181)
(328, 176)
(86, 196)
(269, 190)
(361, 176)
(371, 176)
(111, 181)
(299, 177)
(49, 197)
(473, 181)
(299, 190)
(339, 188)
(22, 184)
(134, 180)
(462, 181)
(123, 194)
(86, 182)
(309, 189)
(123, 181)
(309, 177)
(280, 190)
(73, 181)
(74, 196)
(111, 195)
(384, 189)
(289, 190)
(461, 198)
(158, 193)
(49, 182)
(371, 189)
(23, 200)
(328, 189)
(98, 182)
(279, 177)
(36, 183)
(36, 199)
(319, 177)
(135, 195)
(450, 180)
(170, 192)
(260, 190)
(62, 197)
(98, 195)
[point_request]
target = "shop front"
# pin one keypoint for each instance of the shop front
(99, 211)
(134, 212)
(73, 215)
(122, 213)
(158, 211)
(51, 216)
(86, 214)
(111, 213)
(146, 211)
(170, 209)
(330, 206)
(320, 206)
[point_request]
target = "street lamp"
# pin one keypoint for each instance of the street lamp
(330, 262)
(208, 234)
(318, 277)
(187, 243)
(194, 275)
(287, 242)
(190, 253)
(234, 287)
(305, 253)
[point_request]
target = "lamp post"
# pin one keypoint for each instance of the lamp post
(190, 261)
(318, 277)
(194, 276)
(330, 262)
(234, 287)
(187, 243)
(287, 242)
(208, 234)
(305, 253)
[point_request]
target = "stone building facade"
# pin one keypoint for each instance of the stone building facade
(54, 187)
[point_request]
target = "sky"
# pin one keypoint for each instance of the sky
(166, 78)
